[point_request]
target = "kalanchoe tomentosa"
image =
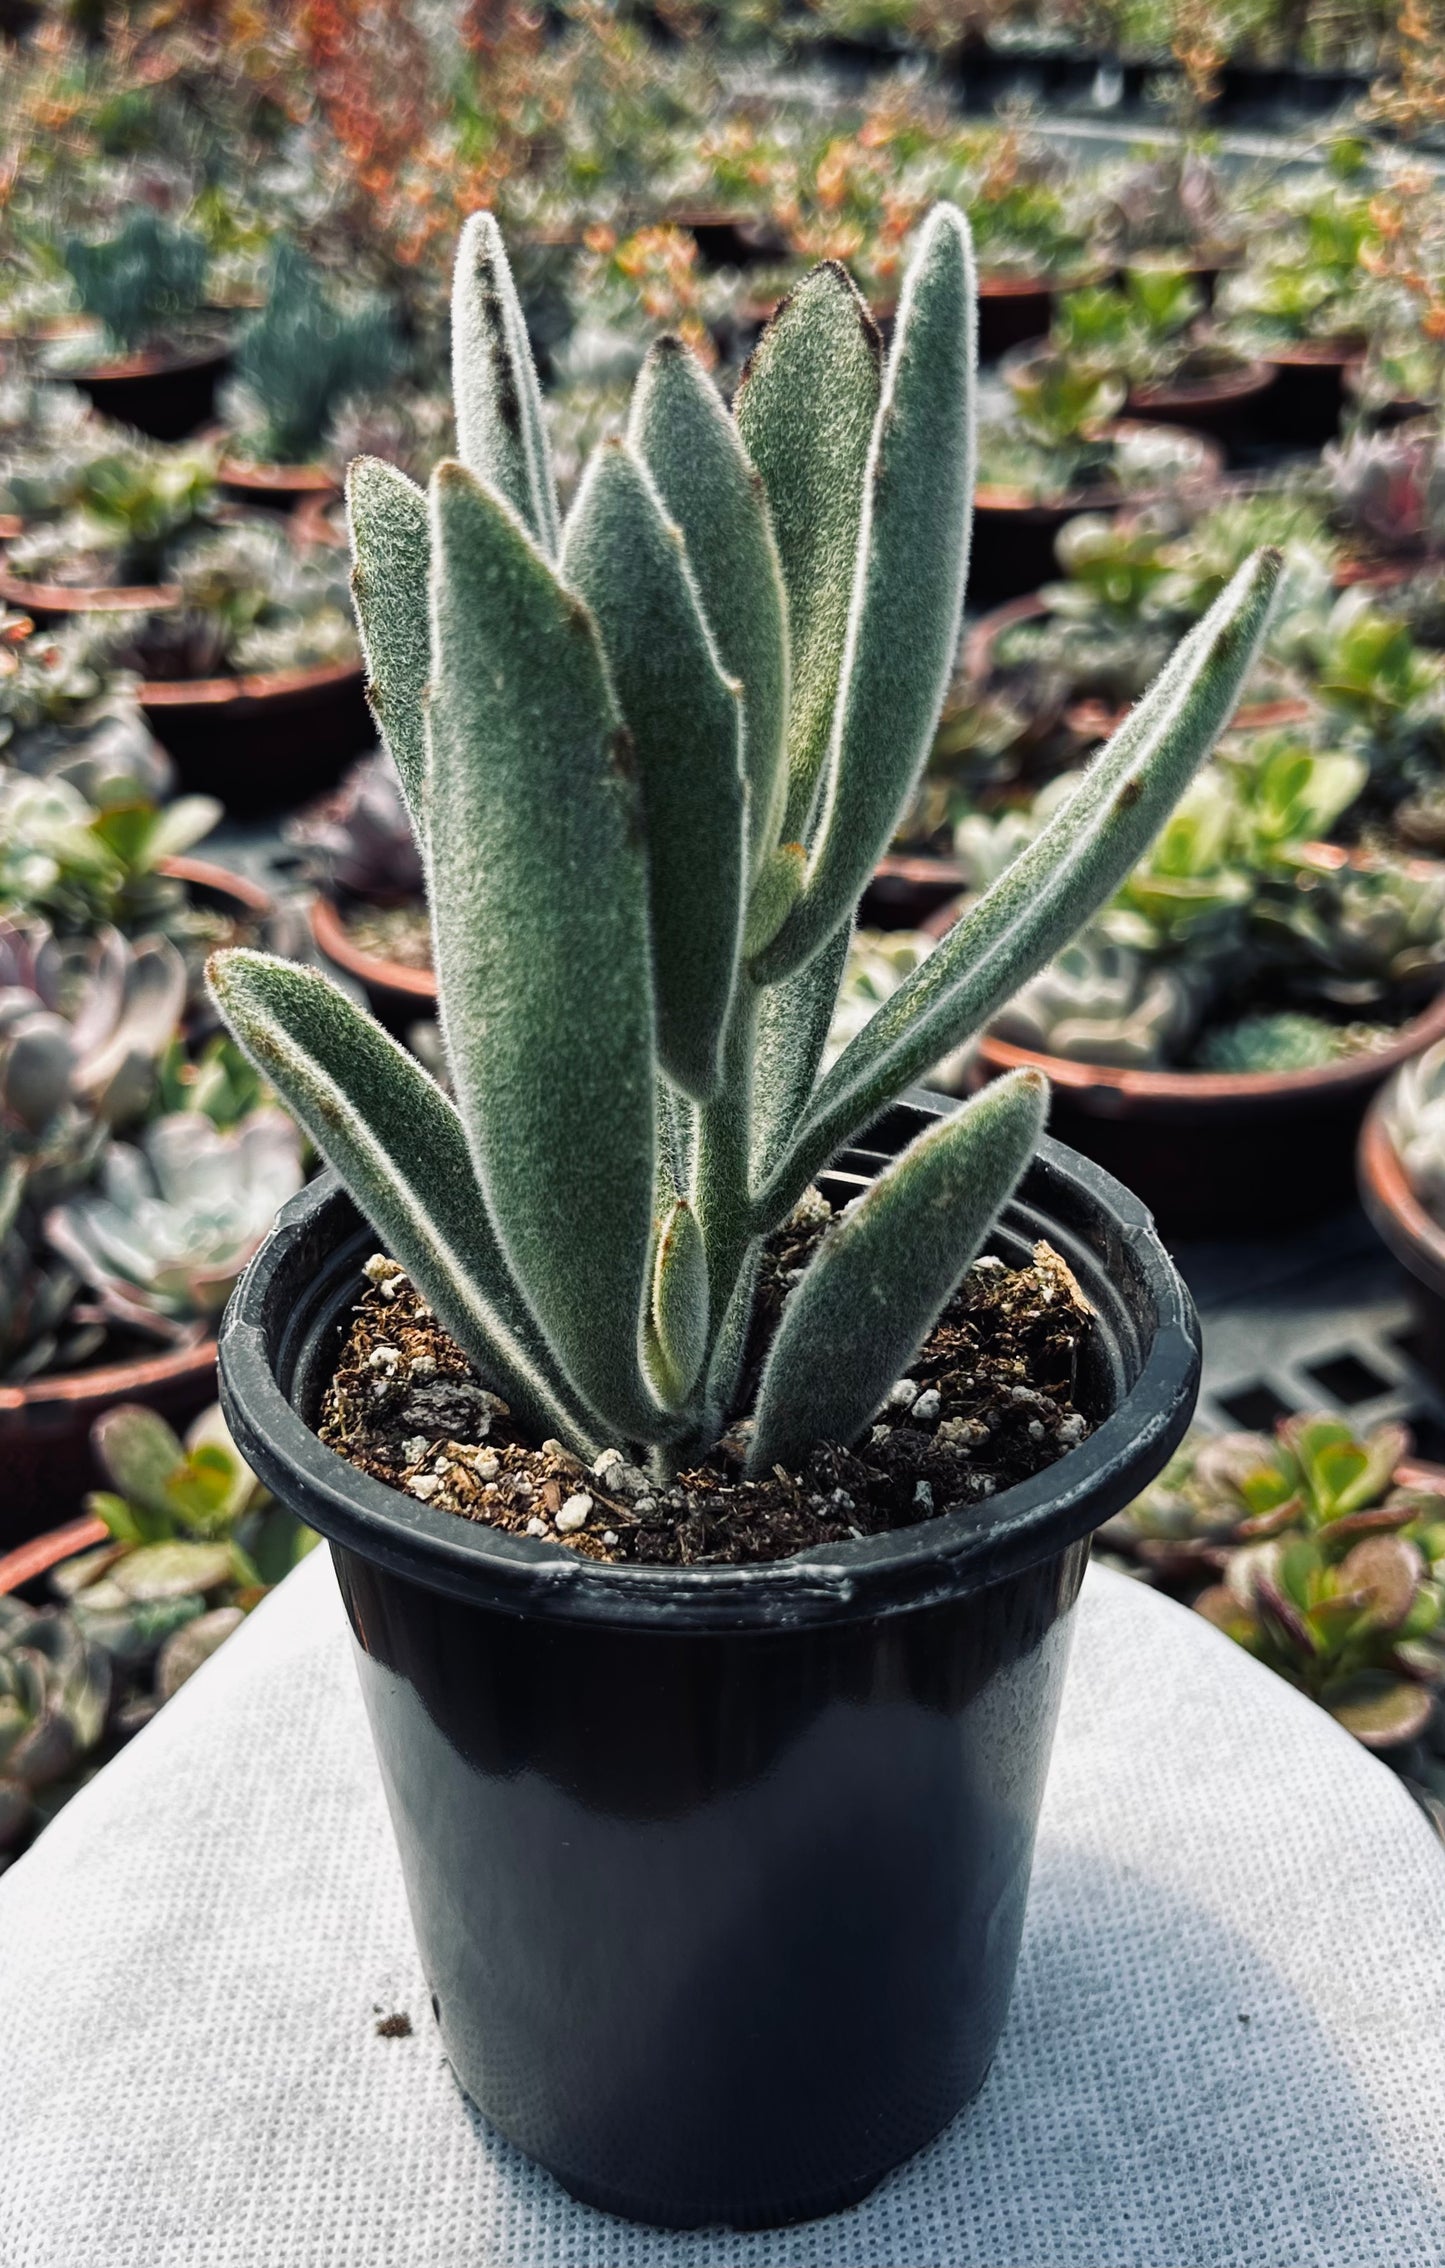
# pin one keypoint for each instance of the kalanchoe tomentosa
(652, 757)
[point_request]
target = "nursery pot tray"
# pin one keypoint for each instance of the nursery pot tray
(718, 1873)
(263, 743)
(398, 994)
(45, 1424)
(168, 396)
(1405, 1226)
(1222, 1153)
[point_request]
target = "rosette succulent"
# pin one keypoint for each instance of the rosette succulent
(163, 1235)
(651, 757)
(301, 357)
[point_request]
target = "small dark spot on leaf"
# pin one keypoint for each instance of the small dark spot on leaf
(397, 2027)
(1128, 795)
(624, 755)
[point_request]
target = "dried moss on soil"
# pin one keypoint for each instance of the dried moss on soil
(988, 1402)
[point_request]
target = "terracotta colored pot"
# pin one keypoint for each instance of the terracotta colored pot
(399, 995)
(53, 602)
(45, 1452)
(277, 488)
(236, 894)
(30, 1561)
(1229, 408)
(1307, 399)
(1013, 531)
(168, 396)
(1221, 1153)
(263, 743)
(1403, 1224)
(906, 891)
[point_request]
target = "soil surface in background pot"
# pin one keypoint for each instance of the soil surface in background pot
(988, 1401)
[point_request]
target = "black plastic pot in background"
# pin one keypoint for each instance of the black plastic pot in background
(718, 1874)
(168, 397)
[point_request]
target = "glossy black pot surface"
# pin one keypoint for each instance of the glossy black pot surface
(718, 1874)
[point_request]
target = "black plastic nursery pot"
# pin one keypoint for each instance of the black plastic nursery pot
(718, 1874)
(168, 396)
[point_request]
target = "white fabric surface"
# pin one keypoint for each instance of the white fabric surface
(1227, 2045)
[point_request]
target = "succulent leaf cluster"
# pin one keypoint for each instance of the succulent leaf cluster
(145, 282)
(161, 1235)
(1331, 1574)
(1388, 487)
(651, 756)
(302, 356)
(1240, 942)
(55, 1690)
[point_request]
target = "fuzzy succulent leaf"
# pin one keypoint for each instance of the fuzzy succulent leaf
(623, 556)
(690, 446)
(501, 429)
(678, 1319)
(543, 951)
(140, 1453)
(1051, 889)
(907, 599)
(794, 1017)
(390, 582)
(805, 410)
(884, 1272)
(401, 1149)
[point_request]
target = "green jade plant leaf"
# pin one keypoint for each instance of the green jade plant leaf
(651, 757)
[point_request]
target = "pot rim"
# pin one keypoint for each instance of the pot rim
(1201, 1089)
(329, 932)
(1207, 393)
(106, 1382)
(1396, 1214)
(147, 362)
(300, 480)
(236, 692)
(998, 497)
(88, 598)
(1337, 353)
(50, 1549)
(206, 874)
(901, 1571)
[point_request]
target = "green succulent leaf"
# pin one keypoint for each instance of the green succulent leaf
(401, 1149)
(624, 557)
(794, 1018)
(501, 428)
(690, 446)
(1040, 901)
(907, 601)
(390, 582)
(141, 1455)
(543, 944)
(884, 1272)
(677, 1333)
(805, 410)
